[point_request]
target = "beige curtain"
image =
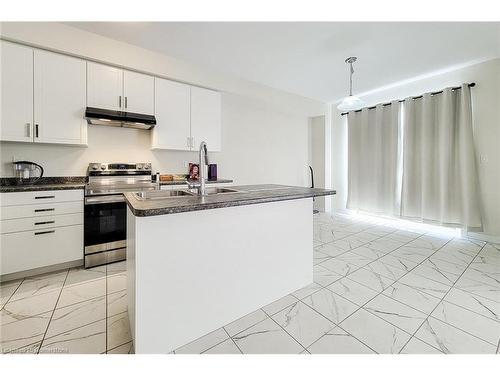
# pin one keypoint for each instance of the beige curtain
(373, 159)
(440, 181)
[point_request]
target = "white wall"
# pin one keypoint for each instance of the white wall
(317, 156)
(486, 117)
(264, 131)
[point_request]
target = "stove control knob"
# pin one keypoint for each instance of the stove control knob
(94, 167)
(147, 166)
(103, 166)
(139, 166)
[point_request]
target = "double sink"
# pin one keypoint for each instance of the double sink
(166, 194)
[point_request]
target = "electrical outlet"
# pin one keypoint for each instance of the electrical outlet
(185, 164)
(483, 159)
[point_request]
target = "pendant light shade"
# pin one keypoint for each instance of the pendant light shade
(351, 102)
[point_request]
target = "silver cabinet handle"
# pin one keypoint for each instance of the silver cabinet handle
(126, 101)
(45, 222)
(28, 128)
(188, 142)
(45, 197)
(120, 101)
(36, 130)
(45, 232)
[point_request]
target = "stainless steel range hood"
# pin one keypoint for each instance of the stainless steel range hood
(99, 116)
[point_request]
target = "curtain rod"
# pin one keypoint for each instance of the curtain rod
(414, 97)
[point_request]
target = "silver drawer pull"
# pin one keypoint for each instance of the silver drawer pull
(44, 209)
(45, 197)
(46, 232)
(45, 222)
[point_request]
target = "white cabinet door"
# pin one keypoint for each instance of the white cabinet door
(172, 103)
(23, 251)
(205, 118)
(59, 99)
(16, 121)
(104, 87)
(138, 92)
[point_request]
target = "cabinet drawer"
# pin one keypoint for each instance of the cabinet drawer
(39, 223)
(23, 251)
(38, 210)
(40, 197)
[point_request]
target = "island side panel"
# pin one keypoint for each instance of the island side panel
(198, 271)
(131, 270)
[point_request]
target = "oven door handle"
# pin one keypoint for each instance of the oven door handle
(100, 199)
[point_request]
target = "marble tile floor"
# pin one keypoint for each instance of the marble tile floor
(72, 311)
(377, 289)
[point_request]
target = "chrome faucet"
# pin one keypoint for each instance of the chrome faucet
(200, 184)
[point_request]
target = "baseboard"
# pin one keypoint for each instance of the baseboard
(41, 270)
(484, 237)
(473, 235)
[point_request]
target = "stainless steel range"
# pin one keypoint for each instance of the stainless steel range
(105, 208)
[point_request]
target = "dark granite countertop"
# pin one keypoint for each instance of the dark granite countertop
(12, 185)
(247, 194)
(184, 182)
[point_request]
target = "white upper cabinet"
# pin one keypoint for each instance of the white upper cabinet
(205, 118)
(138, 93)
(186, 116)
(119, 90)
(59, 99)
(172, 103)
(104, 87)
(16, 121)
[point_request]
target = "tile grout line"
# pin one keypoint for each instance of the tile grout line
(283, 329)
(8, 300)
(74, 329)
(230, 338)
(113, 348)
(52, 315)
(441, 301)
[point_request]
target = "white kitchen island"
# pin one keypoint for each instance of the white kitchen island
(195, 264)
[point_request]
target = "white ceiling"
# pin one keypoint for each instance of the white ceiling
(308, 58)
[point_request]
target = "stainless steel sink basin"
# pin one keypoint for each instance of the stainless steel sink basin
(216, 190)
(162, 194)
(165, 194)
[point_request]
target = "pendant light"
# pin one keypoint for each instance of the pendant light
(351, 102)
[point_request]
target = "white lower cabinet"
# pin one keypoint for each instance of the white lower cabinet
(40, 229)
(23, 251)
(40, 223)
